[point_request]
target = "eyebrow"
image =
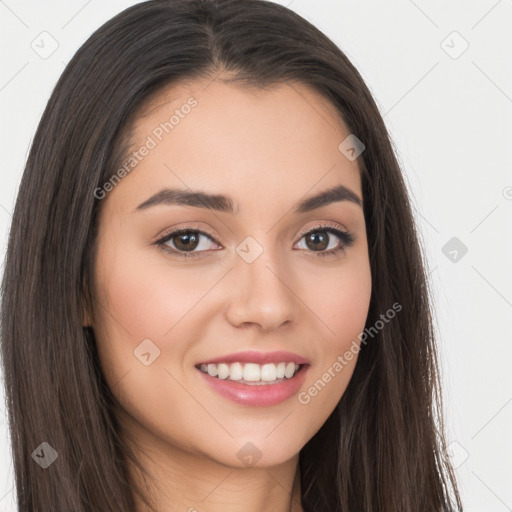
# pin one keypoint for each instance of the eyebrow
(225, 204)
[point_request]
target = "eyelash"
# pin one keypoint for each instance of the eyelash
(346, 240)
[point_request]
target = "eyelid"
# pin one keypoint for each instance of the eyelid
(346, 238)
(187, 227)
(172, 232)
(322, 225)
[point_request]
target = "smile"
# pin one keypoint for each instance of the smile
(251, 373)
(249, 387)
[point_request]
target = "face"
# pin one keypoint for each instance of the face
(259, 279)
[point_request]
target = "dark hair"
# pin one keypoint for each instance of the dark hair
(383, 447)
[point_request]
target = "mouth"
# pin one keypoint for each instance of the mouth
(252, 374)
(253, 378)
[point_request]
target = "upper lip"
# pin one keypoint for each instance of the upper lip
(252, 356)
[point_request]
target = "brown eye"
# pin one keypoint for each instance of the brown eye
(317, 240)
(187, 241)
(327, 241)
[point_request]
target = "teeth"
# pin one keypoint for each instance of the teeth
(251, 372)
(289, 370)
(269, 372)
(212, 370)
(236, 372)
(222, 371)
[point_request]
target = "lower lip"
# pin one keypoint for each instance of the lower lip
(257, 395)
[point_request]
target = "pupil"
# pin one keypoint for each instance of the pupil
(315, 238)
(188, 241)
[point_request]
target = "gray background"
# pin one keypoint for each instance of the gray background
(449, 112)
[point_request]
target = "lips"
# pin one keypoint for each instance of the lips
(252, 356)
(257, 394)
(254, 378)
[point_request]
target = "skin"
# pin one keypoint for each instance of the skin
(267, 150)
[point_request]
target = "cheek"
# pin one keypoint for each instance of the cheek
(146, 297)
(143, 300)
(340, 298)
(351, 307)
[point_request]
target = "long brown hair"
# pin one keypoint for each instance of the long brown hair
(383, 447)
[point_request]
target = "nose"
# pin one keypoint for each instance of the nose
(261, 293)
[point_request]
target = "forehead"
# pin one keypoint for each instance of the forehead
(279, 141)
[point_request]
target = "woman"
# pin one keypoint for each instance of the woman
(214, 296)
